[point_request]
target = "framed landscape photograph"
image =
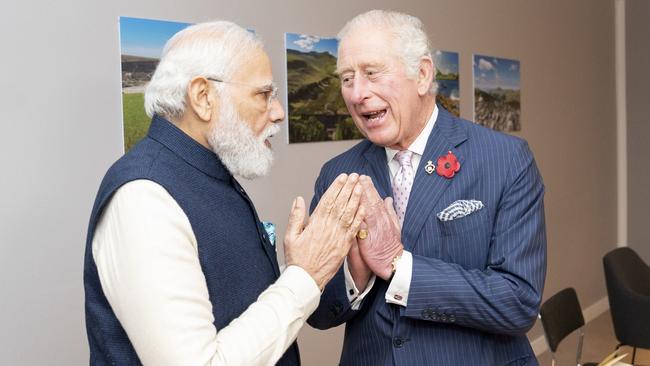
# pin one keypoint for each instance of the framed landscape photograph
(141, 44)
(447, 78)
(497, 93)
(316, 109)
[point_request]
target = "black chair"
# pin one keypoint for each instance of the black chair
(561, 315)
(628, 289)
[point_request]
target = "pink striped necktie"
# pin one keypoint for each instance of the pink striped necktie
(402, 183)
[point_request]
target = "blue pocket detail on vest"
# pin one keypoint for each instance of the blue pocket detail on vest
(270, 231)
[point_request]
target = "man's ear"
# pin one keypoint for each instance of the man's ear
(426, 74)
(202, 103)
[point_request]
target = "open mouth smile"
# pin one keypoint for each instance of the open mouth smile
(374, 118)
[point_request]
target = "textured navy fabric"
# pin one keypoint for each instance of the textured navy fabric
(477, 281)
(236, 257)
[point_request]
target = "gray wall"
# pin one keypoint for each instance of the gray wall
(60, 99)
(637, 13)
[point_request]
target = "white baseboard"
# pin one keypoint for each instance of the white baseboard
(590, 313)
(539, 345)
(596, 309)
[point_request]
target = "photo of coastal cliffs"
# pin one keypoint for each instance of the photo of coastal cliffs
(447, 78)
(316, 109)
(141, 44)
(497, 93)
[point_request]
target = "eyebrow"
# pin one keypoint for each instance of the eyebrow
(362, 66)
(267, 87)
(338, 71)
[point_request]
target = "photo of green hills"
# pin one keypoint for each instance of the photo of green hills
(141, 44)
(447, 78)
(316, 109)
(497, 93)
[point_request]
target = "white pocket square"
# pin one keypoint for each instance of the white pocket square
(458, 209)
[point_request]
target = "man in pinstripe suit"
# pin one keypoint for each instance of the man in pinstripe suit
(461, 282)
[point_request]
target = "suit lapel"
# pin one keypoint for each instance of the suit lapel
(428, 188)
(377, 168)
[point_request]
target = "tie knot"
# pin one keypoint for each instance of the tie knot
(404, 158)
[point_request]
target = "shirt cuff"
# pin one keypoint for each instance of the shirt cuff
(352, 291)
(398, 290)
(303, 287)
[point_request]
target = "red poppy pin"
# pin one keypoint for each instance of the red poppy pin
(448, 165)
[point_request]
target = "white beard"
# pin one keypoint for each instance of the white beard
(243, 153)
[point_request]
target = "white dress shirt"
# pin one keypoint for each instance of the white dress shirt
(400, 284)
(148, 264)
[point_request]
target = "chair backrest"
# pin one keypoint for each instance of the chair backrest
(624, 267)
(628, 288)
(561, 315)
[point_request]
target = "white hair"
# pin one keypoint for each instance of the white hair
(213, 49)
(410, 40)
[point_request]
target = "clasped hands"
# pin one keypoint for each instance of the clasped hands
(350, 204)
(375, 252)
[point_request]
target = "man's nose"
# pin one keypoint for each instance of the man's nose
(360, 90)
(276, 114)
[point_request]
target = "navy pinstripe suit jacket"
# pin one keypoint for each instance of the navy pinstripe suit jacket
(477, 281)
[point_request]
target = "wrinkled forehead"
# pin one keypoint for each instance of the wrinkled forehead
(361, 49)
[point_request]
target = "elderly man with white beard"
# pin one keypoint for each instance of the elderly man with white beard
(179, 270)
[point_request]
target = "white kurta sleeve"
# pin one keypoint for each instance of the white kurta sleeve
(147, 259)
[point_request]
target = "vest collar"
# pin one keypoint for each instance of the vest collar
(187, 148)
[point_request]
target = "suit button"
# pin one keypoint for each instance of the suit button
(426, 314)
(434, 316)
(443, 317)
(398, 342)
(452, 318)
(430, 313)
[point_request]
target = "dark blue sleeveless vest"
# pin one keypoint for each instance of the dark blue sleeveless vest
(236, 257)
